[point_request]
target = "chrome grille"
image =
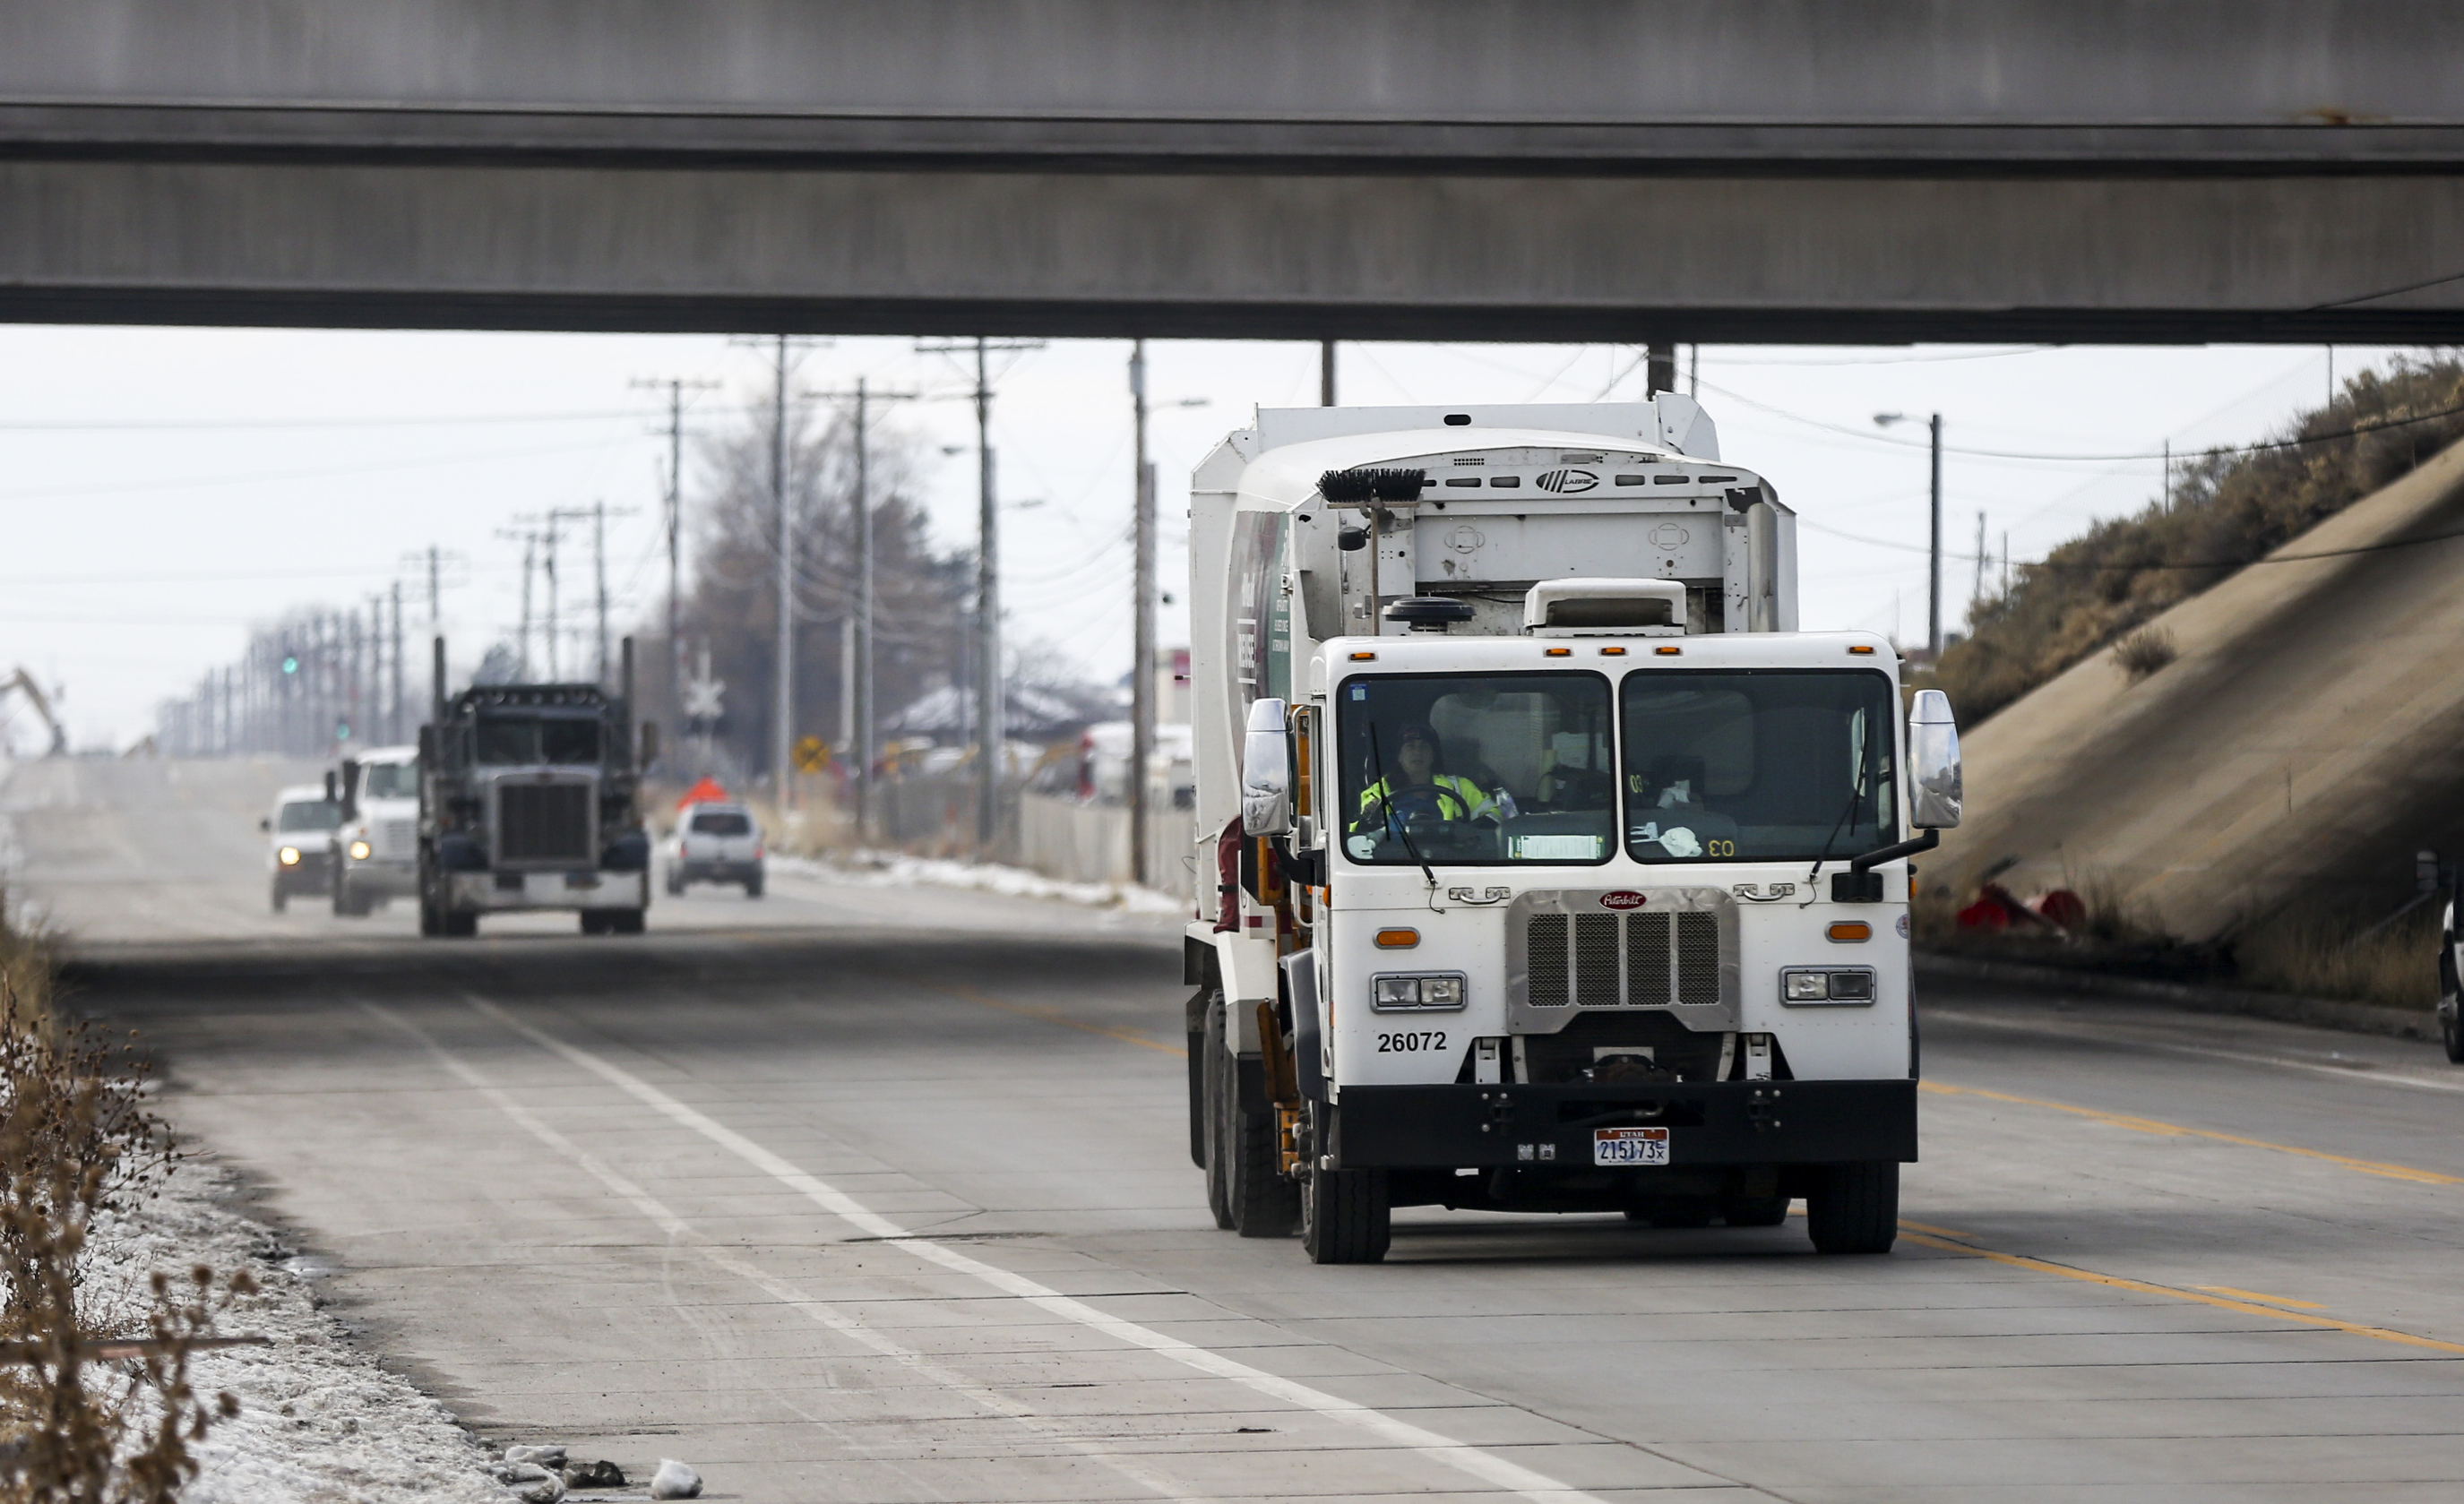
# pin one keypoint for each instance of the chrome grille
(1547, 988)
(1646, 960)
(397, 840)
(1698, 958)
(1630, 960)
(544, 824)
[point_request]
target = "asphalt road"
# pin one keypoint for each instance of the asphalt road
(883, 1194)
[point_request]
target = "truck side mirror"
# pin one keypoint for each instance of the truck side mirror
(265, 823)
(649, 743)
(350, 782)
(1267, 771)
(1934, 787)
(330, 796)
(427, 746)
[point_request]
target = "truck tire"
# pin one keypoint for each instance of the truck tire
(675, 883)
(2451, 1031)
(1195, 1034)
(625, 922)
(1261, 1201)
(429, 926)
(1345, 1216)
(1855, 1208)
(753, 887)
(281, 896)
(1220, 1081)
(457, 926)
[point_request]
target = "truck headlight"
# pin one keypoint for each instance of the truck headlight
(1852, 985)
(288, 855)
(1420, 992)
(359, 850)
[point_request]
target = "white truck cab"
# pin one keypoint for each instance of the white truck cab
(1558, 870)
(376, 848)
(299, 842)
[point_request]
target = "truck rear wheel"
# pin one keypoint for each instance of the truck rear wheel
(457, 926)
(753, 887)
(1855, 1208)
(2451, 1029)
(1218, 1080)
(1345, 1216)
(1258, 1198)
(281, 896)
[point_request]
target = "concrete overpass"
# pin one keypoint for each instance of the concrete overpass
(1560, 169)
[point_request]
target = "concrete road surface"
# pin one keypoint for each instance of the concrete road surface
(885, 1196)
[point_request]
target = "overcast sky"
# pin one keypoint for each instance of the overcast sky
(164, 488)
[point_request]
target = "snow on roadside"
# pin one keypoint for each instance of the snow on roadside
(895, 870)
(319, 1419)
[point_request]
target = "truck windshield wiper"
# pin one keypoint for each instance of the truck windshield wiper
(1386, 808)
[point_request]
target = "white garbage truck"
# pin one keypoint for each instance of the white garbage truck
(1555, 868)
(376, 855)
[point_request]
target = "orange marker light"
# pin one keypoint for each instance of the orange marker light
(1845, 933)
(1861, 650)
(1557, 652)
(1364, 658)
(1612, 652)
(1397, 939)
(1668, 652)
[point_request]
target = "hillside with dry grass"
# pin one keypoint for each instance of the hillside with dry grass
(2228, 508)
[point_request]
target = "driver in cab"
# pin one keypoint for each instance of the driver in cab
(1415, 792)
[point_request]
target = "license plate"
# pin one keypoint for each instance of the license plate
(1629, 1145)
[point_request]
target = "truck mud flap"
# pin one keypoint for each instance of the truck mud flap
(1309, 1058)
(1723, 1122)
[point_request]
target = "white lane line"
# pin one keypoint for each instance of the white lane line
(2123, 1036)
(1462, 1456)
(683, 1234)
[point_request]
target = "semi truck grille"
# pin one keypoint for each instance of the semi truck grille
(544, 822)
(398, 840)
(1630, 960)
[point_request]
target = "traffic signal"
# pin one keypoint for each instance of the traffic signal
(290, 666)
(341, 731)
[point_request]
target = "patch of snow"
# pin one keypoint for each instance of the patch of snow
(319, 1420)
(674, 1481)
(895, 870)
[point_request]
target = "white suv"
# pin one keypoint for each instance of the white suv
(716, 843)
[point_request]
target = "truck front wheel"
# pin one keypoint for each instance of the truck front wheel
(1220, 1080)
(1261, 1201)
(1855, 1208)
(457, 926)
(1345, 1216)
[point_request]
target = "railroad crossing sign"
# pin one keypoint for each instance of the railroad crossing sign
(702, 697)
(813, 754)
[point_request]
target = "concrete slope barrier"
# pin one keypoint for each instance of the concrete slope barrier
(2307, 740)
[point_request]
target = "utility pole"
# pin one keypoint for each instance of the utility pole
(1976, 597)
(1660, 369)
(393, 718)
(675, 512)
(783, 708)
(1933, 594)
(991, 734)
(599, 568)
(555, 615)
(522, 640)
(1933, 612)
(1325, 372)
(1142, 618)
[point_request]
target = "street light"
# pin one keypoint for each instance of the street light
(1933, 593)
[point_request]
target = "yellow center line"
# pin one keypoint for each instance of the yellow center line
(2404, 1172)
(2252, 1295)
(2221, 1303)
(969, 994)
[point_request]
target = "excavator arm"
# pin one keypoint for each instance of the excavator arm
(23, 683)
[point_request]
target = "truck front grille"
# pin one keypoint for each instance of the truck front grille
(398, 840)
(1630, 960)
(544, 822)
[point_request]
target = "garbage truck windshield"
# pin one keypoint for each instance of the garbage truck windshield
(1475, 769)
(1757, 765)
(391, 780)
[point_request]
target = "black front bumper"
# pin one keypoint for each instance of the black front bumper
(1715, 1123)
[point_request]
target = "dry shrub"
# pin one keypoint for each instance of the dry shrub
(2144, 652)
(86, 1417)
(2395, 967)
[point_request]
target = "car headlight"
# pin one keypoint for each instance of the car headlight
(359, 850)
(288, 855)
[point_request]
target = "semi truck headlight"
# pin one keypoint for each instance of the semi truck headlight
(1852, 985)
(288, 855)
(1415, 992)
(359, 850)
